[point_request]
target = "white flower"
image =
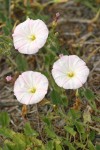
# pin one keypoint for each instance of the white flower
(70, 72)
(30, 36)
(30, 87)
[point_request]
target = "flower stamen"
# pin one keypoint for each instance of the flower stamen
(31, 37)
(32, 90)
(70, 74)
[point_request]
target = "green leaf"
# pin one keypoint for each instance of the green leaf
(70, 130)
(48, 128)
(37, 143)
(56, 98)
(64, 100)
(4, 119)
(80, 127)
(21, 62)
(80, 145)
(92, 135)
(89, 94)
(50, 145)
(96, 118)
(91, 146)
(20, 141)
(87, 115)
(6, 44)
(47, 121)
(74, 114)
(58, 146)
(71, 147)
(8, 145)
(84, 136)
(6, 132)
(50, 132)
(29, 131)
(90, 97)
(49, 59)
(7, 5)
(97, 147)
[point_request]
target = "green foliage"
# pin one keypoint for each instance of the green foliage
(90, 97)
(18, 141)
(4, 119)
(80, 127)
(58, 146)
(91, 146)
(74, 128)
(5, 45)
(50, 132)
(5, 132)
(49, 128)
(21, 63)
(74, 114)
(87, 116)
(89, 94)
(29, 131)
(58, 99)
(50, 145)
(97, 147)
(49, 59)
(70, 145)
(55, 97)
(92, 135)
(70, 130)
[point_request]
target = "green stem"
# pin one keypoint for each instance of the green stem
(77, 93)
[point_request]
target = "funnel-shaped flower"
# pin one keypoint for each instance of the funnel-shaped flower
(30, 36)
(70, 72)
(30, 87)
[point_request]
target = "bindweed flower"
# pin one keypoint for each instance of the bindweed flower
(30, 36)
(70, 72)
(30, 87)
(8, 78)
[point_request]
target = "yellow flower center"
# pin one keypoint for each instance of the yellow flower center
(32, 90)
(31, 37)
(70, 74)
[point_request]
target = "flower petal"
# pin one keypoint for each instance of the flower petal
(70, 72)
(26, 81)
(25, 30)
